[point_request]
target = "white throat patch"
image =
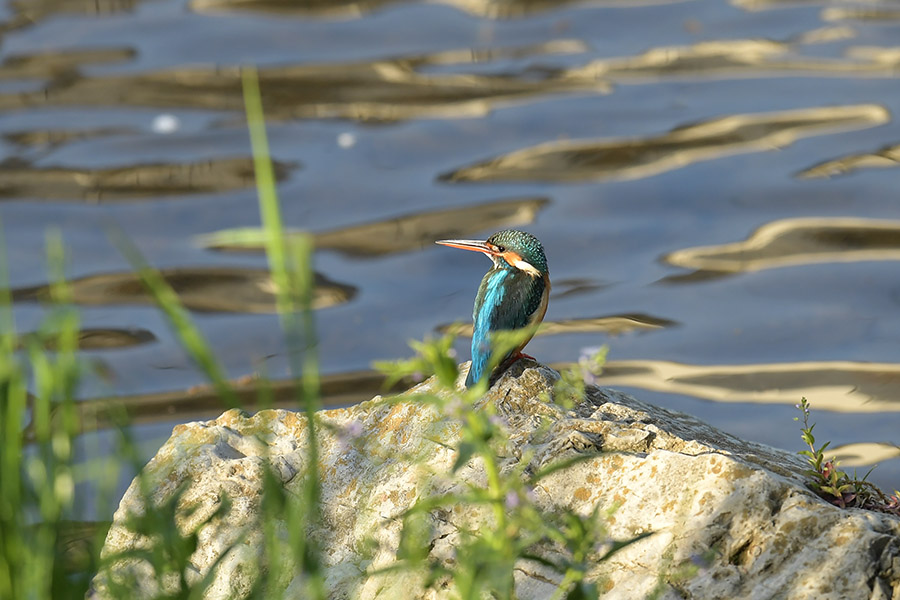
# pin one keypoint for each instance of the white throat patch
(526, 266)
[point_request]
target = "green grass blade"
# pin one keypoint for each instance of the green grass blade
(270, 212)
(188, 333)
(292, 274)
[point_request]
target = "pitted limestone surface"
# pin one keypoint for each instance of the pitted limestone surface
(740, 505)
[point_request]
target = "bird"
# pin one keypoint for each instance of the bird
(512, 295)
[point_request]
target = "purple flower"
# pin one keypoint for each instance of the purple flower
(350, 432)
(496, 420)
(353, 429)
(512, 499)
(455, 406)
(701, 561)
(589, 352)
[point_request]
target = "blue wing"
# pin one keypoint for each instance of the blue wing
(490, 295)
(506, 300)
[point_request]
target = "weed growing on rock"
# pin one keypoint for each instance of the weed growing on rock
(835, 485)
(569, 389)
(508, 525)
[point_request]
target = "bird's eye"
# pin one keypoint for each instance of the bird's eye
(501, 249)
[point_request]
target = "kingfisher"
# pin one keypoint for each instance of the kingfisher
(512, 295)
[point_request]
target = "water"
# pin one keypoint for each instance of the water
(714, 183)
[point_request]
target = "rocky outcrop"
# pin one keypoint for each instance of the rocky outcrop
(739, 510)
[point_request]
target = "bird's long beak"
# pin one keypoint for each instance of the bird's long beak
(476, 245)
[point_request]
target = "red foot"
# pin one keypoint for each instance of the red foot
(508, 363)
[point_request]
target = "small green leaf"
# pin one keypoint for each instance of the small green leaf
(466, 450)
(583, 591)
(621, 544)
(560, 466)
(415, 537)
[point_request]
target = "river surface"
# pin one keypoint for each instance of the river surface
(715, 183)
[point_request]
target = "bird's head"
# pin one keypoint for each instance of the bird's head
(510, 249)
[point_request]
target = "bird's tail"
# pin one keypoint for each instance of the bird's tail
(470, 378)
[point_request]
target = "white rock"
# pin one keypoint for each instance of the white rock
(698, 489)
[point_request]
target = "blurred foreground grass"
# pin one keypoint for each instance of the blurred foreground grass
(46, 553)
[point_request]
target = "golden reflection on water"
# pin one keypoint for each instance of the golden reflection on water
(886, 158)
(400, 88)
(52, 64)
(863, 454)
(202, 401)
(830, 13)
(860, 13)
(410, 87)
(824, 35)
(202, 289)
(93, 338)
(835, 386)
(595, 160)
(791, 242)
(296, 8)
(841, 386)
(402, 234)
(888, 56)
(130, 182)
(492, 9)
(58, 137)
(506, 9)
(610, 325)
(737, 58)
(25, 13)
(382, 90)
(771, 4)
